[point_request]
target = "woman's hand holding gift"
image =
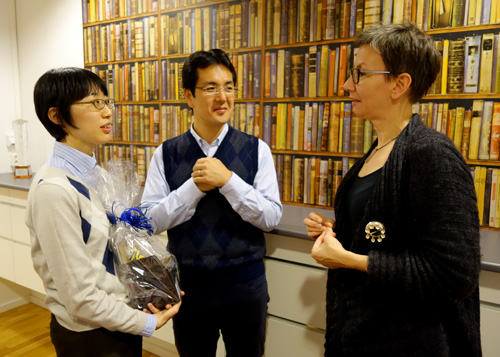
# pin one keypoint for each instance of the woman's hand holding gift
(163, 316)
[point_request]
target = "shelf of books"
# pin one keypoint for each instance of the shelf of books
(292, 58)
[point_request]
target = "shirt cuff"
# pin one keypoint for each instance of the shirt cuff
(234, 185)
(150, 327)
(190, 191)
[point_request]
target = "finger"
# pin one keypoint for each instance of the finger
(328, 230)
(316, 217)
(153, 309)
(319, 241)
(328, 224)
(309, 223)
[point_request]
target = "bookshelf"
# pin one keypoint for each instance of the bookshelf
(292, 58)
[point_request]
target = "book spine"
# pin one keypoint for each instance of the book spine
(484, 140)
(495, 133)
(464, 149)
(486, 63)
(475, 129)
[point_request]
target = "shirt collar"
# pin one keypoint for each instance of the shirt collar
(83, 163)
(217, 141)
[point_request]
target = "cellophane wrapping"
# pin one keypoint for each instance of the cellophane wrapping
(147, 269)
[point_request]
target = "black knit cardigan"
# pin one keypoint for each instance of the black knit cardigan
(420, 296)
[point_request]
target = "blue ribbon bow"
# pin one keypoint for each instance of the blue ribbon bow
(134, 217)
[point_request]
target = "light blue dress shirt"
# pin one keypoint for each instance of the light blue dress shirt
(79, 164)
(258, 204)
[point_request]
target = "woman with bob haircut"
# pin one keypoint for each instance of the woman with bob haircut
(69, 227)
(403, 251)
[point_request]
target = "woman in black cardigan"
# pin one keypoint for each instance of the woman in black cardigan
(404, 254)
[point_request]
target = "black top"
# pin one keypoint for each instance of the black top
(357, 197)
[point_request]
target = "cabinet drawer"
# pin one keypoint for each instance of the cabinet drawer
(4, 195)
(5, 220)
(20, 231)
(298, 293)
(490, 325)
(289, 248)
(18, 197)
(489, 287)
(285, 338)
(25, 274)
(7, 260)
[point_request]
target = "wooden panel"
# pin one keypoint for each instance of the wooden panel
(297, 292)
(24, 272)
(5, 220)
(20, 231)
(285, 338)
(7, 260)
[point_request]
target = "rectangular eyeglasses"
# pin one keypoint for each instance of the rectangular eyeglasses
(99, 103)
(355, 74)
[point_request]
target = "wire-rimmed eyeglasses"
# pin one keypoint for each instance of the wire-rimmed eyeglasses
(228, 90)
(355, 74)
(100, 103)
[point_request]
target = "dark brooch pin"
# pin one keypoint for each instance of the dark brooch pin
(375, 231)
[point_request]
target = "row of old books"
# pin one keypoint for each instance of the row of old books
(100, 10)
(225, 26)
(295, 21)
(328, 127)
(309, 180)
(177, 119)
(248, 69)
(455, 13)
(246, 118)
(137, 81)
(139, 155)
(173, 4)
(487, 188)
(171, 79)
(470, 65)
(475, 131)
(319, 72)
(136, 123)
(123, 40)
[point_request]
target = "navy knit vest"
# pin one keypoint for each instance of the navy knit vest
(216, 237)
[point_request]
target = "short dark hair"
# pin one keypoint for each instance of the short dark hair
(405, 48)
(60, 88)
(204, 59)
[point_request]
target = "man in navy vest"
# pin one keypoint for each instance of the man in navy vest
(214, 190)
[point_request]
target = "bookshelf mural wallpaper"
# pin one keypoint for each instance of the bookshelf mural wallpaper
(292, 58)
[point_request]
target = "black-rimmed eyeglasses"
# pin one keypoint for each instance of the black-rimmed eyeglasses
(356, 74)
(228, 90)
(100, 103)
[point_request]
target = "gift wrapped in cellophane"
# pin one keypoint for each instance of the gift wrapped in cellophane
(147, 269)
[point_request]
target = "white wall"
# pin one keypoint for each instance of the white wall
(49, 35)
(8, 56)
